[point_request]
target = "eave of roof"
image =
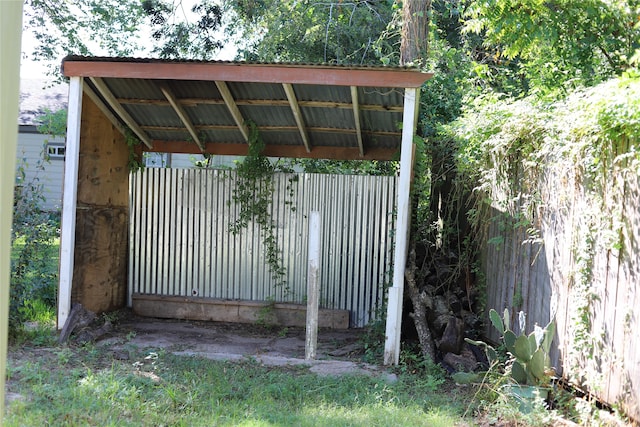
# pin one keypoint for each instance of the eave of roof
(339, 75)
(301, 110)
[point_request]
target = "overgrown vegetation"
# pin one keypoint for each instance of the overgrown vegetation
(35, 240)
(536, 160)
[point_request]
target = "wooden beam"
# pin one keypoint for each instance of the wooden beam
(241, 149)
(166, 90)
(242, 72)
(113, 103)
(313, 286)
(266, 129)
(69, 199)
(194, 102)
(233, 109)
(105, 110)
(297, 114)
(356, 118)
(403, 218)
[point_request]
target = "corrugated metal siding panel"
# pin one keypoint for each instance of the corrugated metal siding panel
(180, 243)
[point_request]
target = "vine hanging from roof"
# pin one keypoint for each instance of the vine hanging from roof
(253, 196)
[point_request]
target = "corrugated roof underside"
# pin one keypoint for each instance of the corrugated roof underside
(326, 112)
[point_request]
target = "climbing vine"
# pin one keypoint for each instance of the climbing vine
(563, 169)
(135, 162)
(253, 196)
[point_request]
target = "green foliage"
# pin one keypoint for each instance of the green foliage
(253, 195)
(588, 144)
(184, 39)
(53, 123)
(34, 235)
(529, 362)
(561, 44)
(83, 27)
(135, 162)
(346, 167)
(325, 32)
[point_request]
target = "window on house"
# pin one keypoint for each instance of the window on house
(55, 151)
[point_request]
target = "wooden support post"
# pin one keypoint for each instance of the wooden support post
(69, 200)
(313, 286)
(11, 24)
(396, 292)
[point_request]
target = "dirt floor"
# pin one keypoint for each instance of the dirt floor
(338, 351)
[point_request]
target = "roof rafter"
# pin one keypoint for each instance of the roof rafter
(356, 118)
(101, 105)
(233, 108)
(126, 118)
(297, 114)
(168, 93)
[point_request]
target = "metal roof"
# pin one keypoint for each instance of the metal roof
(300, 110)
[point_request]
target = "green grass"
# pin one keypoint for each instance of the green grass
(86, 386)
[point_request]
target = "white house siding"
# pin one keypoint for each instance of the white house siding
(30, 152)
(36, 97)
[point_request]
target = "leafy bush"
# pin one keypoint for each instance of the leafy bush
(34, 237)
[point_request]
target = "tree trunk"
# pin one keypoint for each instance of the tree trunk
(413, 50)
(414, 45)
(419, 315)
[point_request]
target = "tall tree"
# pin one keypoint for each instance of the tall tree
(413, 50)
(414, 45)
(559, 43)
(327, 31)
(160, 28)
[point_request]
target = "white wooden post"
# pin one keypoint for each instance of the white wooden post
(11, 24)
(69, 199)
(396, 292)
(313, 286)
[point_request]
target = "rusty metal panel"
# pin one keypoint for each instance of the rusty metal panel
(180, 243)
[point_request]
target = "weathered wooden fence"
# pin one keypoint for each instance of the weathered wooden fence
(180, 243)
(578, 262)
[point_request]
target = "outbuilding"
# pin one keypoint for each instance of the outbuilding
(300, 111)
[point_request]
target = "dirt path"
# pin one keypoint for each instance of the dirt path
(339, 352)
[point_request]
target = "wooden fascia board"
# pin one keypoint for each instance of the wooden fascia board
(233, 108)
(297, 114)
(126, 118)
(175, 104)
(258, 73)
(293, 151)
(356, 118)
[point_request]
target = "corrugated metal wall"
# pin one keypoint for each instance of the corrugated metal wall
(180, 244)
(587, 278)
